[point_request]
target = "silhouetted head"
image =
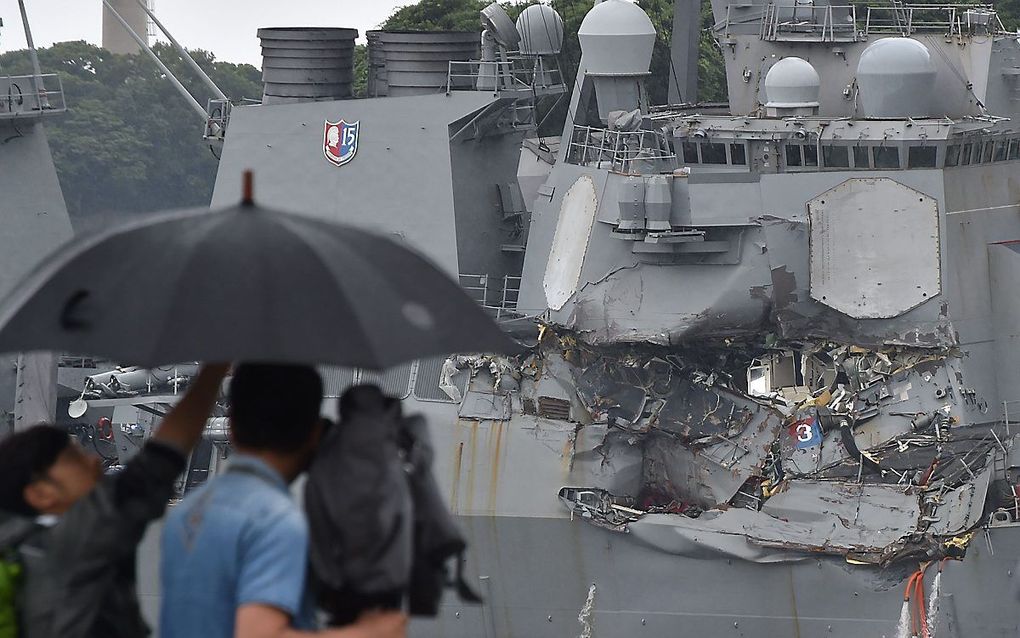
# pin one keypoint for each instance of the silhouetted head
(42, 471)
(362, 399)
(275, 408)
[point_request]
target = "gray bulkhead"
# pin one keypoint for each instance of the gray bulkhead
(407, 179)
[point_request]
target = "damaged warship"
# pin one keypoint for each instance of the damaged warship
(775, 344)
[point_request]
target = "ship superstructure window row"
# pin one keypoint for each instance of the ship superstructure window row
(982, 152)
(846, 155)
(733, 153)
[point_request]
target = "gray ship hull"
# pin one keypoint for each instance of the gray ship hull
(536, 565)
(536, 574)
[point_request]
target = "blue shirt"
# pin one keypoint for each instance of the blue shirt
(239, 539)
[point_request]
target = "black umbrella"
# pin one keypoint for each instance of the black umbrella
(243, 283)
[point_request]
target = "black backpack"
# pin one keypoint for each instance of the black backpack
(437, 538)
(380, 530)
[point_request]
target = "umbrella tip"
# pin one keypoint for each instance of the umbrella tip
(248, 189)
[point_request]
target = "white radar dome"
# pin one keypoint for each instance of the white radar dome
(541, 30)
(617, 38)
(792, 83)
(895, 78)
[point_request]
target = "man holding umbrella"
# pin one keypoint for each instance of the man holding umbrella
(235, 552)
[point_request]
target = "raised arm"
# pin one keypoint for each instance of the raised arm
(183, 426)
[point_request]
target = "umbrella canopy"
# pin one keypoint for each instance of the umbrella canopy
(244, 283)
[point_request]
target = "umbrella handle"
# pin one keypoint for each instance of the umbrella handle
(248, 188)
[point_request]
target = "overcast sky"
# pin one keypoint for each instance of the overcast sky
(225, 27)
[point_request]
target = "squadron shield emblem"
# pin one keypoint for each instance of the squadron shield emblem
(340, 141)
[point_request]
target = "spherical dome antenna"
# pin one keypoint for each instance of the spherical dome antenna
(895, 78)
(792, 83)
(541, 30)
(499, 24)
(617, 38)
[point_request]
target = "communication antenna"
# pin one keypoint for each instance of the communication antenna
(500, 26)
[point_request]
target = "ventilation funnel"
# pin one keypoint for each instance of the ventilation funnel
(307, 64)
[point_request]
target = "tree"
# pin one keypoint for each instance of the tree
(437, 15)
(130, 143)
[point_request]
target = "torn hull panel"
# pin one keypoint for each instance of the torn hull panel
(813, 517)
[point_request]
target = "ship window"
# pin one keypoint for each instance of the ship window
(975, 157)
(793, 155)
(810, 156)
(836, 156)
(921, 157)
(861, 158)
(713, 153)
(1014, 149)
(953, 155)
(968, 152)
(1000, 150)
(738, 154)
(887, 157)
(987, 155)
(690, 151)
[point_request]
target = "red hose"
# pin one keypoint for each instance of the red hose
(915, 589)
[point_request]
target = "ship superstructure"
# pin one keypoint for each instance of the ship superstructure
(775, 346)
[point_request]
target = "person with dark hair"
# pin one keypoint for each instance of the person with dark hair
(235, 552)
(79, 555)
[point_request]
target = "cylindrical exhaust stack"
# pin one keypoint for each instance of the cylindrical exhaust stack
(307, 64)
(115, 38)
(377, 86)
(418, 62)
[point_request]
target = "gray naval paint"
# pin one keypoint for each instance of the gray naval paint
(631, 474)
(35, 222)
(408, 178)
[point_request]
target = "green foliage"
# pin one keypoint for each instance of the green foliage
(130, 143)
(437, 15)
(360, 70)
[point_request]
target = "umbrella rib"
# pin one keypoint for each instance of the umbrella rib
(298, 231)
(166, 326)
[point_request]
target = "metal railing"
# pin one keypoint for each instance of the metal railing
(21, 97)
(511, 295)
(75, 361)
(219, 117)
(802, 20)
(807, 22)
(518, 73)
(497, 297)
(948, 19)
(621, 151)
(1005, 414)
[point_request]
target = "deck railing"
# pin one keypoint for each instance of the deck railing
(620, 151)
(802, 20)
(27, 96)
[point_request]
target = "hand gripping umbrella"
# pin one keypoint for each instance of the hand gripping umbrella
(243, 283)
